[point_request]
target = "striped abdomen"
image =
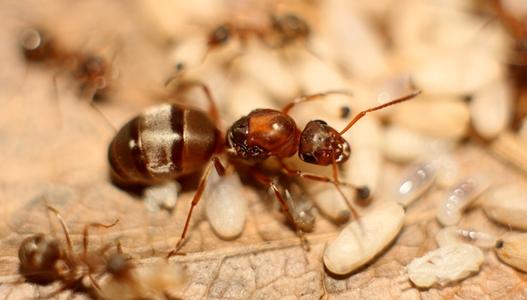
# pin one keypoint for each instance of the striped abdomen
(163, 143)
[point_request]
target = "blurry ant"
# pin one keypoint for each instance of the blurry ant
(128, 281)
(170, 141)
(280, 32)
(92, 72)
(43, 259)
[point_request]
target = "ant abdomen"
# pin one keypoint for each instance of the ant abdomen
(165, 142)
(38, 256)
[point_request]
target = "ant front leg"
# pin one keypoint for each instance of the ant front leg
(266, 180)
(215, 161)
(293, 172)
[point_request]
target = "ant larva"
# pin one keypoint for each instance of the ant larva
(91, 71)
(43, 259)
(169, 141)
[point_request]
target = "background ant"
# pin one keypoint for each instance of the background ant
(170, 141)
(92, 72)
(43, 259)
(280, 31)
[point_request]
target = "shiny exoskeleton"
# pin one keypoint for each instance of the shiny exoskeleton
(170, 140)
(91, 71)
(164, 143)
(279, 32)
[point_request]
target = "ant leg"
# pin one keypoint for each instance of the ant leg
(215, 161)
(364, 112)
(292, 172)
(312, 97)
(271, 185)
(85, 233)
(64, 227)
(186, 84)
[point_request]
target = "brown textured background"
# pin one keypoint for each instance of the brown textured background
(53, 145)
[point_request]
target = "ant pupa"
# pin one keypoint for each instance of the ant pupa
(44, 259)
(129, 281)
(169, 141)
(359, 242)
(512, 251)
(445, 265)
(226, 206)
(506, 205)
(459, 198)
(298, 201)
(91, 71)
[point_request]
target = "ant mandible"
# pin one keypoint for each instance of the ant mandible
(169, 141)
(91, 71)
(43, 259)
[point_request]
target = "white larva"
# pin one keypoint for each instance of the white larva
(226, 206)
(161, 196)
(363, 239)
(507, 205)
(453, 235)
(513, 251)
(365, 168)
(267, 69)
(418, 179)
(329, 202)
(402, 144)
(427, 116)
(459, 198)
(445, 265)
(491, 109)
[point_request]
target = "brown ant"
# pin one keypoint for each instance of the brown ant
(169, 141)
(280, 32)
(43, 259)
(92, 72)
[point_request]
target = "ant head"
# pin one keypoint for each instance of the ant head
(291, 26)
(36, 45)
(220, 36)
(93, 66)
(321, 144)
(263, 133)
(38, 256)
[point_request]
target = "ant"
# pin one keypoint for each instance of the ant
(280, 32)
(170, 141)
(43, 259)
(92, 72)
(129, 281)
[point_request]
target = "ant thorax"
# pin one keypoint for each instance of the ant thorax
(263, 133)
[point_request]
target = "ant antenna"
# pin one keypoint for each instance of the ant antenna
(312, 97)
(63, 225)
(364, 112)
